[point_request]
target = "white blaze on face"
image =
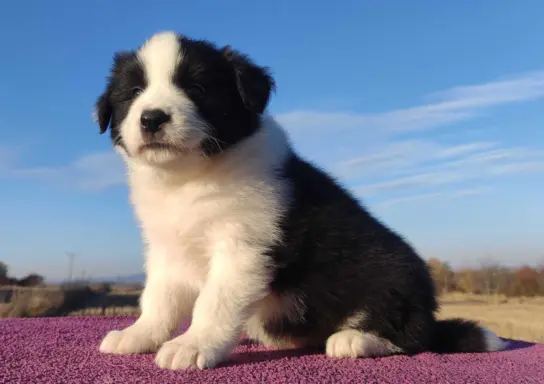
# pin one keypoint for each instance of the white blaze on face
(160, 57)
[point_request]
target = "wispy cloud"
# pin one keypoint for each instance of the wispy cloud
(521, 167)
(406, 153)
(100, 170)
(449, 106)
(92, 172)
(507, 90)
(447, 195)
(430, 165)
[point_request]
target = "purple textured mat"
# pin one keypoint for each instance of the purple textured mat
(64, 350)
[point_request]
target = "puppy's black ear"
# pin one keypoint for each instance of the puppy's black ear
(103, 110)
(255, 84)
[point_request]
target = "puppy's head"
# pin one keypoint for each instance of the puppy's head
(176, 97)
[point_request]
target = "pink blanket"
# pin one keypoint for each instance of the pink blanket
(65, 350)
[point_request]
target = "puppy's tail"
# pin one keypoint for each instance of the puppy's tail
(459, 336)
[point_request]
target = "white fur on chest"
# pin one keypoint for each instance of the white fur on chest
(178, 216)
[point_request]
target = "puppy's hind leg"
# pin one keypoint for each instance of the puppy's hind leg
(354, 343)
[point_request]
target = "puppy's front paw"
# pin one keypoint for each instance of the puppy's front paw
(127, 341)
(186, 352)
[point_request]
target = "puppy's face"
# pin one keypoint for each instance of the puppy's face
(175, 97)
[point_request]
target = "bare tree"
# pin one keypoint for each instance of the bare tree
(540, 277)
(31, 280)
(3, 269)
(491, 275)
(467, 280)
(442, 274)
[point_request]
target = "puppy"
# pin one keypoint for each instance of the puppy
(242, 235)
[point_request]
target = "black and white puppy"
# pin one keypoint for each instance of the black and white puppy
(244, 236)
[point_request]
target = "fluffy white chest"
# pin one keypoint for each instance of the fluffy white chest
(178, 216)
(186, 226)
(180, 225)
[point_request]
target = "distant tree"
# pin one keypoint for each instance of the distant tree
(31, 280)
(489, 278)
(3, 269)
(540, 270)
(525, 282)
(5, 280)
(442, 274)
(467, 280)
(492, 275)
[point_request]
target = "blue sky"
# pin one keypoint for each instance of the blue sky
(431, 112)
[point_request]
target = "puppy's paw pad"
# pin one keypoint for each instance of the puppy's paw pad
(183, 353)
(126, 342)
(349, 343)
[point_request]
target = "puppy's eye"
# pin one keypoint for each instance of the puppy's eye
(136, 91)
(196, 90)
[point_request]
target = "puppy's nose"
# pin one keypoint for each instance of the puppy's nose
(152, 120)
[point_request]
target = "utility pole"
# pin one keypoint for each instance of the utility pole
(71, 257)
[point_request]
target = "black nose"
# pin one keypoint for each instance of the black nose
(153, 119)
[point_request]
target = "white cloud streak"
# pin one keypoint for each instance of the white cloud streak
(92, 172)
(450, 106)
(449, 195)
(425, 169)
(409, 152)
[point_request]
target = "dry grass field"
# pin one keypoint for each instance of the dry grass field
(43, 301)
(94, 299)
(515, 318)
(119, 302)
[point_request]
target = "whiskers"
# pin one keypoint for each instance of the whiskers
(218, 145)
(211, 145)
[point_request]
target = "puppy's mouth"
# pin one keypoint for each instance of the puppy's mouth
(158, 146)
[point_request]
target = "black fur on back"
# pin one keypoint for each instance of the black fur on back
(338, 260)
